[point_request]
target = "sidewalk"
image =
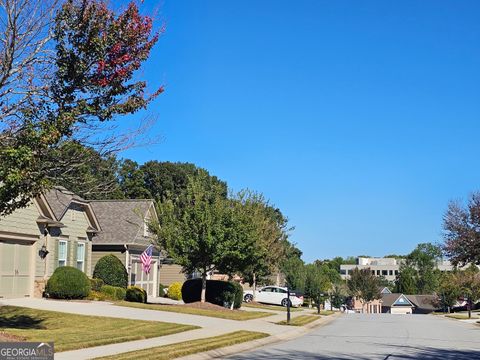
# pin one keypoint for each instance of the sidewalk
(209, 326)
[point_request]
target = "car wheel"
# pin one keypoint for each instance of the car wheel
(248, 298)
(285, 302)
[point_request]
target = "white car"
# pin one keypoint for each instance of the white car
(273, 295)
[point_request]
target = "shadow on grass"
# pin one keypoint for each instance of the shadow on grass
(21, 322)
(412, 353)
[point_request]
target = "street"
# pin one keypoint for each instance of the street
(380, 336)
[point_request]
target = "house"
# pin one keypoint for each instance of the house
(125, 234)
(55, 229)
(424, 304)
(59, 228)
(372, 307)
(395, 303)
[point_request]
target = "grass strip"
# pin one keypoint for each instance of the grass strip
(460, 316)
(71, 331)
(224, 314)
(299, 320)
(185, 348)
(270, 307)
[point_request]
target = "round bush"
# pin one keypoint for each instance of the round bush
(68, 283)
(96, 284)
(111, 270)
(136, 294)
(175, 291)
(218, 292)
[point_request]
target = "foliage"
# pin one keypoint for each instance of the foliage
(68, 282)
(462, 231)
(96, 284)
(217, 292)
(406, 281)
(294, 270)
(203, 236)
(111, 270)
(162, 290)
(86, 78)
(338, 294)
(317, 282)
(363, 285)
(131, 181)
(175, 291)
(113, 292)
(449, 290)
(136, 294)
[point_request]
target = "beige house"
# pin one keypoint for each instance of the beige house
(55, 229)
(62, 229)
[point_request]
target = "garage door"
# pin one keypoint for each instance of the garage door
(147, 282)
(15, 262)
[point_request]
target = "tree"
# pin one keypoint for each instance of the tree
(66, 69)
(267, 230)
(462, 231)
(449, 290)
(131, 181)
(293, 268)
(363, 285)
(469, 283)
(406, 281)
(203, 236)
(317, 283)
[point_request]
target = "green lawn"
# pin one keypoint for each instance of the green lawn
(324, 312)
(189, 347)
(460, 316)
(299, 320)
(70, 331)
(270, 307)
(223, 314)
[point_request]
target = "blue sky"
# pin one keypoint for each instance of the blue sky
(359, 120)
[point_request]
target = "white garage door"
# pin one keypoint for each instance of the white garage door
(147, 282)
(401, 310)
(15, 262)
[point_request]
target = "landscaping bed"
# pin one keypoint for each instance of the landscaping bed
(300, 320)
(185, 348)
(460, 316)
(202, 309)
(71, 331)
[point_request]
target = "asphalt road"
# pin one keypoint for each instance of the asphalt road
(380, 336)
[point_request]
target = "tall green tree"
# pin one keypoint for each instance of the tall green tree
(317, 283)
(204, 236)
(363, 285)
(406, 281)
(131, 180)
(293, 268)
(449, 290)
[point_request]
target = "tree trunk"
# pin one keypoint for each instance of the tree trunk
(254, 287)
(318, 305)
(204, 286)
(469, 306)
(331, 302)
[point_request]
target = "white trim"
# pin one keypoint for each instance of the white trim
(84, 251)
(66, 253)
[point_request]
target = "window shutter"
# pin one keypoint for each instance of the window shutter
(85, 258)
(55, 255)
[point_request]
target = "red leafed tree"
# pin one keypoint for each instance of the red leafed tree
(67, 68)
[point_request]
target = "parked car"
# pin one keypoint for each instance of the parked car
(275, 295)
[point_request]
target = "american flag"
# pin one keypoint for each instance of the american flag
(146, 259)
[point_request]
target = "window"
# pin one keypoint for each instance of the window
(373, 272)
(342, 272)
(268, 289)
(384, 272)
(378, 272)
(396, 272)
(62, 253)
(80, 256)
(390, 272)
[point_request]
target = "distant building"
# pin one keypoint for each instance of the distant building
(386, 267)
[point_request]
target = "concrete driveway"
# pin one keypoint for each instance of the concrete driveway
(380, 336)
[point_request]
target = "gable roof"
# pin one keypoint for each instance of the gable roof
(122, 221)
(59, 200)
(426, 302)
(395, 299)
(384, 290)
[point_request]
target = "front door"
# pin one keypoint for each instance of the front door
(15, 265)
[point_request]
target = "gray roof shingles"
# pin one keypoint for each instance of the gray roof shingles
(122, 221)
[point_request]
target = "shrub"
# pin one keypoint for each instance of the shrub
(96, 284)
(114, 292)
(218, 292)
(68, 282)
(111, 270)
(175, 291)
(136, 294)
(97, 296)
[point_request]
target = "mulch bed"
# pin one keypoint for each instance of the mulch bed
(4, 337)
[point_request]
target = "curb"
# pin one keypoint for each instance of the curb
(256, 344)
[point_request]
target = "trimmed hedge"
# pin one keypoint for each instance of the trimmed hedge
(136, 294)
(175, 291)
(96, 284)
(162, 290)
(114, 292)
(218, 292)
(111, 270)
(68, 282)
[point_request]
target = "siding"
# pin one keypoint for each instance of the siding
(22, 221)
(170, 273)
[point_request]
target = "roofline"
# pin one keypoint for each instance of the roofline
(122, 200)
